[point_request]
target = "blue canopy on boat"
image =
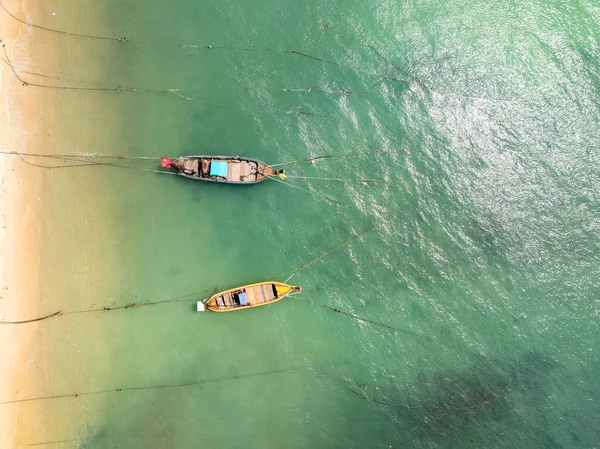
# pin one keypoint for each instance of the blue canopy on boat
(218, 168)
(243, 300)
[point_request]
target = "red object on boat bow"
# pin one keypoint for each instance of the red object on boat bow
(165, 162)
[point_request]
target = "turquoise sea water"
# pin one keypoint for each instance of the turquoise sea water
(484, 258)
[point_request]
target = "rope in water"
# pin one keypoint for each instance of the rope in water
(197, 383)
(66, 33)
(330, 91)
(366, 45)
(419, 83)
(91, 156)
(116, 89)
(465, 407)
(107, 308)
(325, 254)
(292, 52)
(32, 320)
(437, 381)
(141, 304)
(378, 181)
(45, 443)
(173, 91)
(312, 160)
(83, 163)
(95, 164)
(312, 192)
(31, 73)
(356, 317)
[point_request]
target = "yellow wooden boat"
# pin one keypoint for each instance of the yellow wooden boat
(246, 297)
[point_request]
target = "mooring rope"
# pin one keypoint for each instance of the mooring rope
(111, 308)
(32, 73)
(419, 83)
(95, 164)
(436, 381)
(196, 383)
(45, 443)
(116, 89)
(91, 156)
(312, 160)
(325, 254)
(313, 193)
(82, 163)
(33, 319)
(366, 45)
(66, 33)
(245, 49)
(346, 67)
(465, 407)
(377, 181)
(356, 317)
(173, 91)
(330, 91)
(140, 304)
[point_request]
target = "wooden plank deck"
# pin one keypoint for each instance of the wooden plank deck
(191, 165)
(251, 296)
(240, 171)
(225, 301)
(247, 172)
(234, 171)
(259, 294)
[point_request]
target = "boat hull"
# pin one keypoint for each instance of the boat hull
(223, 169)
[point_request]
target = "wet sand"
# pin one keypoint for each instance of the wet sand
(23, 120)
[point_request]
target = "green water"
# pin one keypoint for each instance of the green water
(484, 257)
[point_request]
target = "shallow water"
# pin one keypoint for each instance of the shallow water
(484, 255)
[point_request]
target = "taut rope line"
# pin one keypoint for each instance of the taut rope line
(107, 309)
(351, 239)
(197, 383)
(327, 156)
(90, 156)
(313, 193)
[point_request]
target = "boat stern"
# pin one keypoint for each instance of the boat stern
(200, 306)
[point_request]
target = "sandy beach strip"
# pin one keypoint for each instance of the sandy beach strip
(21, 129)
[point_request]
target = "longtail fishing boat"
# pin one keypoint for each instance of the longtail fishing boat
(246, 297)
(226, 169)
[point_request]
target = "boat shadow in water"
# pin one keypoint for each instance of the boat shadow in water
(492, 404)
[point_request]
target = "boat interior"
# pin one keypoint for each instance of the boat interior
(248, 296)
(230, 170)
